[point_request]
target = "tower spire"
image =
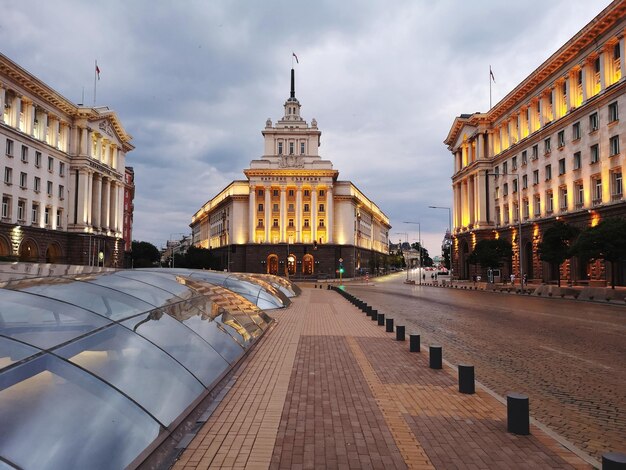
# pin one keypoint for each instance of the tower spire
(293, 84)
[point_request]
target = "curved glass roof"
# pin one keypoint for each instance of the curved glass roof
(96, 368)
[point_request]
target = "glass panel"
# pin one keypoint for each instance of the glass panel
(61, 417)
(5, 466)
(153, 295)
(43, 322)
(165, 281)
(12, 352)
(181, 343)
(138, 368)
(107, 302)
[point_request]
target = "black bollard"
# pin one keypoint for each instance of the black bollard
(381, 319)
(374, 314)
(389, 325)
(414, 343)
(435, 356)
(613, 461)
(517, 414)
(466, 379)
(399, 333)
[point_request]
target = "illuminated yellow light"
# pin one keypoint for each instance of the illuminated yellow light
(595, 218)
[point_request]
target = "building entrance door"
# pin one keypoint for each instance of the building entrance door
(272, 265)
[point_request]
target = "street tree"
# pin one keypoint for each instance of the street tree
(144, 254)
(446, 256)
(555, 245)
(606, 241)
(427, 261)
(491, 253)
(199, 258)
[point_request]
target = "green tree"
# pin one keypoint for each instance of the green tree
(199, 258)
(446, 256)
(491, 253)
(606, 241)
(427, 261)
(555, 245)
(144, 254)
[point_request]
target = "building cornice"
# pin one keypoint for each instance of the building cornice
(261, 172)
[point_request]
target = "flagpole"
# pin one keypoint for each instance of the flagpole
(95, 73)
(490, 87)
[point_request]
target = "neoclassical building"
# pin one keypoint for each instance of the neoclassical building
(292, 215)
(552, 149)
(63, 175)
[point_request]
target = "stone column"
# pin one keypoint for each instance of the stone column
(329, 214)
(3, 95)
(299, 214)
(283, 214)
(470, 194)
(96, 201)
(81, 216)
(465, 191)
(604, 69)
(622, 59)
(313, 213)
(252, 210)
(483, 198)
(479, 146)
(268, 214)
(585, 67)
(89, 196)
(113, 207)
(106, 197)
(83, 141)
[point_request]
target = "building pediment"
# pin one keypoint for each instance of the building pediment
(108, 124)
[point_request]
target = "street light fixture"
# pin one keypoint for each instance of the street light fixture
(419, 241)
(519, 224)
(449, 231)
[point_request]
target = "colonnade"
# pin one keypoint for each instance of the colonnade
(99, 202)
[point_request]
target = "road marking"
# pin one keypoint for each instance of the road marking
(573, 356)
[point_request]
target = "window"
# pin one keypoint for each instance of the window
(61, 192)
(535, 151)
(291, 222)
(593, 122)
(301, 148)
(515, 185)
(497, 215)
(62, 168)
(576, 131)
(536, 177)
(260, 208)
(275, 207)
(577, 161)
(38, 159)
(561, 138)
(526, 209)
(613, 115)
(505, 189)
(497, 192)
(549, 202)
(306, 208)
(35, 213)
(506, 214)
(595, 153)
(322, 193)
(597, 189)
(259, 223)
(24, 154)
(49, 188)
(561, 166)
(23, 180)
(8, 175)
(290, 208)
(306, 192)
(275, 223)
(497, 171)
(321, 208)
(21, 210)
(290, 193)
(9, 148)
(59, 217)
(50, 164)
(275, 193)
(563, 198)
(46, 216)
(514, 163)
(306, 223)
(579, 194)
(259, 192)
(505, 167)
(280, 148)
(524, 181)
(548, 172)
(524, 157)
(537, 205)
(614, 145)
(6, 207)
(546, 146)
(37, 184)
(291, 148)
(616, 184)
(321, 223)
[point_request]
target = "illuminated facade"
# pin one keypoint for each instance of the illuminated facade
(292, 214)
(129, 207)
(63, 175)
(556, 145)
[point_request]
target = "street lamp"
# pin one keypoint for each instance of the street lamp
(406, 237)
(419, 241)
(449, 231)
(184, 235)
(519, 223)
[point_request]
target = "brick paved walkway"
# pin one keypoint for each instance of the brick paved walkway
(328, 388)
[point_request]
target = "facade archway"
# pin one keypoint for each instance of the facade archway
(54, 253)
(29, 251)
(291, 264)
(272, 264)
(5, 247)
(307, 264)
(528, 260)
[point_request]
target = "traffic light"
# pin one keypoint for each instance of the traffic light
(341, 268)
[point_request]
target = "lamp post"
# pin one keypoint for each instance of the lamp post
(419, 241)
(184, 235)
(449, 231)
(406, 237)
(519, 223)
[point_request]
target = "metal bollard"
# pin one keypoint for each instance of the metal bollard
(381, 319)
(613, 461)
(435, 356)
(466, 379)
(374, 314)
(399, 333)
(517, 414)
(389, 325)
(414, 343)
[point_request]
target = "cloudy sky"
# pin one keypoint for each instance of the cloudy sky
(194, 81)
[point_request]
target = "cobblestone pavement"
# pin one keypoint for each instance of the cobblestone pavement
(569, 357)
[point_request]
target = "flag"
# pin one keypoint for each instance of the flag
(98, 71)
(491, 75)
(294, 54)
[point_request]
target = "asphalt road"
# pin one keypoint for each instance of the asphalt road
(568, 356)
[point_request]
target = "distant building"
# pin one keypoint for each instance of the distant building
(292, 215)
(63, 175)
(557, 143)
(129, 207)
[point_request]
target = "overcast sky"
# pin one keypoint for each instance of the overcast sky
(194, 81)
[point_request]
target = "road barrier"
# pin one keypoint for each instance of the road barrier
(374, 315)
(414, 343)
(399, 333)
(466, 379)
(381, 319)
(435, 357)
(518, 414)
(613, 461)
(389, 325)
